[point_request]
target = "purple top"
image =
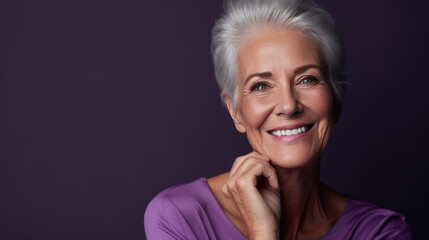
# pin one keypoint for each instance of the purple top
(190, 211)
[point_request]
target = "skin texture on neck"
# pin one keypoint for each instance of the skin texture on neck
(304, 211)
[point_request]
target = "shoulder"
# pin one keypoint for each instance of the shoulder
(183, 196)
(364, 220)
(173, 210)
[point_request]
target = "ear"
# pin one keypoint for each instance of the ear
(236, 117)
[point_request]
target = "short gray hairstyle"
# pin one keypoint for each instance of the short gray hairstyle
(242, 16)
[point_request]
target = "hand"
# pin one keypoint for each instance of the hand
(254, 188)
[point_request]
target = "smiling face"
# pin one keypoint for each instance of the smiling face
(284, 102)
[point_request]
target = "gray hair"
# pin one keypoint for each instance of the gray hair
(243, 16)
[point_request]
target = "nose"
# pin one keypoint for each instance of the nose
(288, 104)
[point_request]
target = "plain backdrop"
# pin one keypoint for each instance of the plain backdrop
(105, 103)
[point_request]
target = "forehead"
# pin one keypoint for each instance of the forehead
(276, 49)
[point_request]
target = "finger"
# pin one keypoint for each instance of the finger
(240, 160)
(265, 170)
(270, 173)
(225, 191)
(259, 155)
(249, 172)
(230, 189)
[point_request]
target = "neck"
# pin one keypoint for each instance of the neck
(301, 200)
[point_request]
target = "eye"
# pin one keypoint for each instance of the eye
(259, 86)
(309, 80)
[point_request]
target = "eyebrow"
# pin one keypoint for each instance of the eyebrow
(306, 67)
(262, 74)
(297, 71)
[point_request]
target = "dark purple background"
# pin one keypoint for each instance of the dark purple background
(104, 104)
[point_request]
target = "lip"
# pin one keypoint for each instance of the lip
(291, 138)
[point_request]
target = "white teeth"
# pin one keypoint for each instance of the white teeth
(289, 132)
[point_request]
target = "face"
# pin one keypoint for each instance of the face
(284, 102)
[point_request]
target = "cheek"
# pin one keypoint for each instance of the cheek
(255, 110)
(320, 103)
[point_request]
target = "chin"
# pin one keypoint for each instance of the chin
(299, 159)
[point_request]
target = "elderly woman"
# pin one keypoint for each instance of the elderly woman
(281, 69)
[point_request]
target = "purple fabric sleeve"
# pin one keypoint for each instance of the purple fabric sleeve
(163, 221)
(190, 211)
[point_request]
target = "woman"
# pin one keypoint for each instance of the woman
(280, 67)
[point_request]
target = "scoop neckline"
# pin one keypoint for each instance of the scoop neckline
(226, 218)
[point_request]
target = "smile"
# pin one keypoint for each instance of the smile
(290, 132)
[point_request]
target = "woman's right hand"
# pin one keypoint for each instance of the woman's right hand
(253, 186)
